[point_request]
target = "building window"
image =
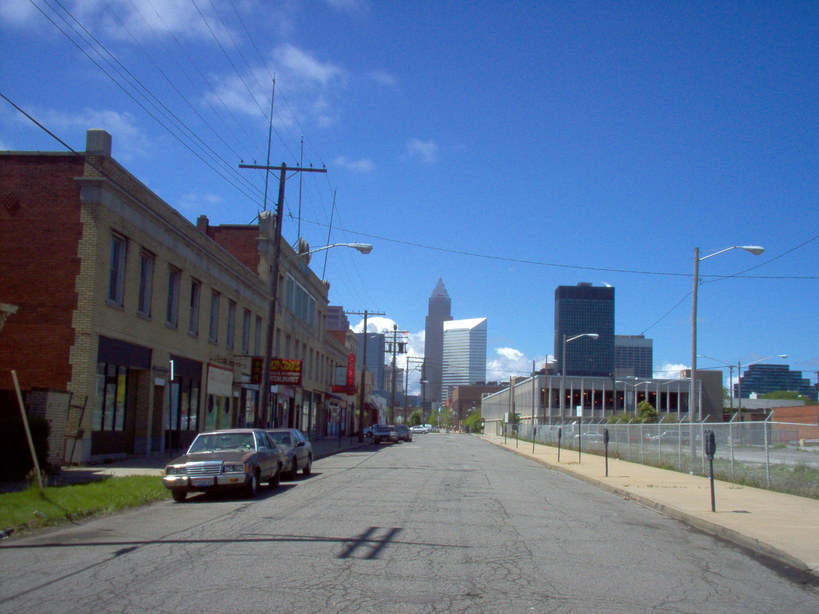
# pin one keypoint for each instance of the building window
(300, 303)
(116, 274)
(231, 324)
(213, 329)
(257, 337)
(172, 311)
(146, 283)
(112, 390)
(246, 331)
(193, 322)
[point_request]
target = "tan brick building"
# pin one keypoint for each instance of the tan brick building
(114, 289)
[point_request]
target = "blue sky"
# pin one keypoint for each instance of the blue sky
(506, 148)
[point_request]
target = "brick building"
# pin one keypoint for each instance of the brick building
(113, 286)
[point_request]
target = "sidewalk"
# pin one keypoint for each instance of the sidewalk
(782, 527)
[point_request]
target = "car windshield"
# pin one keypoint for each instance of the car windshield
(281, 438)
(222, 441)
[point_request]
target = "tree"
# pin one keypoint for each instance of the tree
(473, 421)
(416, 417)
(646, 412)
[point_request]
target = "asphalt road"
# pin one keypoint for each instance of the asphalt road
(447, 523)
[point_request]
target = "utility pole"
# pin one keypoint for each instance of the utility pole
(360, 428)
(260, 416)
(395, 352)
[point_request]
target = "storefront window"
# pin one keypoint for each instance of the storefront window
(110, 403)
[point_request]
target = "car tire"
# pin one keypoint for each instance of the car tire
(308, 467)
(252, 488)
(276, 479)
(179, 495)
(294, 468)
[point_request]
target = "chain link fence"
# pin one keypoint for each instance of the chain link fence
(760, 454)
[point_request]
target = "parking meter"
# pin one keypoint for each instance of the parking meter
(606, 437)
(710, 444)
(559, 437)
(710, 448)
(606, 449)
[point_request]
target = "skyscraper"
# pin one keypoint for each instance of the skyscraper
(464, 354)
(633, 356)
(439, 311)
(579, 310)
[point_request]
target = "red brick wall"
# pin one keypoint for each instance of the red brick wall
(39, 231)
(239, 241)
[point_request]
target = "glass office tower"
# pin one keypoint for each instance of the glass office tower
(579, 310)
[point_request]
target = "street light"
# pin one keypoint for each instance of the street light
(364, 248)
(693, 406)
(565, 365)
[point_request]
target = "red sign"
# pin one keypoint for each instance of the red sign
(349, 386)
(284, 371)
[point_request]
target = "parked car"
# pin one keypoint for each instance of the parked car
(237, 459)
(403, 431)
(382, 432)
(298, 449)
(419, 428)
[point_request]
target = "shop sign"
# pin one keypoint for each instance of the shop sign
(284, 371)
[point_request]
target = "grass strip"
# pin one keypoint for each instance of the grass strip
(27, 511)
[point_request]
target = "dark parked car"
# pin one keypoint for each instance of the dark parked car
(403, 431)
(231, 459)
(298, 449)
(382, 432)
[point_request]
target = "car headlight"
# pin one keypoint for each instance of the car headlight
(233, 468)
(176, 470)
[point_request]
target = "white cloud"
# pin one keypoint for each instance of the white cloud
(18, 12)
(670, 371)
(128, 140)
(509, 362)
(305, 86)
(426, 150)
(201, 204)
(362, 165)
(303, 66)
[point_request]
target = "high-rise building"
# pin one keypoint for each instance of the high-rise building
(439, 311)
(375, 356)
(579, 310)
(464, 354)
(633, 356)
(337, 318)
(761, 379)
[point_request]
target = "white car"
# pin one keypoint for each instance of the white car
(420, 428)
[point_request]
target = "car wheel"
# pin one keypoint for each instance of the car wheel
(276, 479)
(253, 486)
(179, 495)
(294, 468)
(309, 466)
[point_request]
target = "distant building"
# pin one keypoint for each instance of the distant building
(439, 311)
(579, 310)
(337, 318)
(761, 379)
(375, 357)
(464, 354)
(633, 356)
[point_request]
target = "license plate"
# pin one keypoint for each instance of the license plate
(201, 482)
